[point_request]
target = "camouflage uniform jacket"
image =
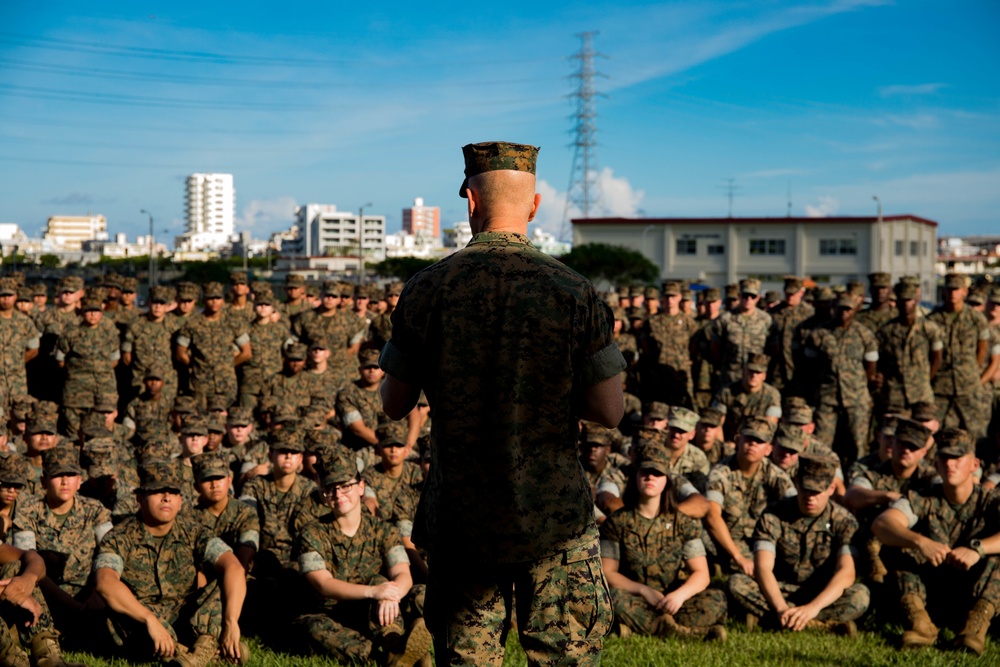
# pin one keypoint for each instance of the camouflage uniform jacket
(703, 371)
(738, 404)
(90, 356)
(56, 320)
(961, 333)
(740, 335)
(628, 347)
(326, 384)
(994, 349)
(385, 489)
(266, 341)
(805, 546)
(929, 513)
(342, 330)
(742, 498)
(160, 572)
(380, 331)
(246, 312)
(720, 450)
(876, 319)
(692, 460)
(144, 412)
(299, 391)
(612, 475)
(151, 342)
(73, 536)
(783, 337)
(842, 354)
(121, 504)
(669, 340)
(18, 334)
(503, 339)
(212, 345)
(236, 526)
(274, 512)
(651, 551)
(373, 550)
(904, 352)
(354, 403)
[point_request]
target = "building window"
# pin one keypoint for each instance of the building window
(716, 250)
(767, 246)
(899, 248)
(687, 247)
(913, 248)
(838, 247)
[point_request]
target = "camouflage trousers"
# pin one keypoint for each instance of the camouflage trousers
(349, 631)
(847, 427)
(18, 617)
(669, 385)
(562, 603)
(702, 610)
(851, 605)
(204, 386)
(717, 556)
(185, 620)
(947, 592)
(969, 412)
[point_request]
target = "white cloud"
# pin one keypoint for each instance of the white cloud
(920, 121)
(910, 91)
(616, 198)
(827, 206)
(267, 215)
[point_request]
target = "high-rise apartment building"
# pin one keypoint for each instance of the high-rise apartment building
(421, 220)
(211, 212)
(68, 232)
(323, 230)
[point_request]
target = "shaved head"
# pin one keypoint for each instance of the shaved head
(502, 195)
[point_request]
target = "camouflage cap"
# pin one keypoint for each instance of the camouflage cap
(160, 475)
(646, 435)
(14, 468)
(816, 472)
(750, 286)
(656, 410)
(129, 284)
(319, 342)
(651, 293)
(636, 290)
(912, 433)
(994, 294)
(793, 284)
(100, 457)
(682, 419)
(654, 456)
(317, 441)
(759, 428)
(711, 417)
(62, 460)
(112, 280)
(494, 156)
(732, 291)
(159, 448)
(106, 403)
(312, 291)
(45, 408)
(798, 415)
(953, 442)
(286, 439)
(635, 313)
(823, 294)
(368, 358)
(711, 295)
(156, 371)
(923, 411)
(847, 300)
(238, 278)
(976, 296)
(955, 281)
(161, 294)
(346, 290)
(194, 425)
(209, 465)
(856, 288)
(94, 425)
(265, 297)
(21, 407)
(888, 424)
(791, 437)
(213, 290)
(771, 297)
(391, 434)
(671, 288)
(880, 279)
(23, 293)
(394, 289)
(70, 284)
(296, 352)
(619, 314)
(295, 280)
(687, 294)
(363, 291)
(218, 403)
(188, 291)
(758, 362)
(239, 416)
(331, 288)
(594, 436)
(8, 286)
(90, 303)
(215, 423)
(41, 424)
(39, 289)
(338, 465)
(185, 405)
(906, 291)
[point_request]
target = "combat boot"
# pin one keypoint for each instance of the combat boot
(878, 570)
(12, 654)
(922, 630)
(200, 655)
(45, 651)
(842, 628)
(667, 626)
(415, 644)
(973, 635)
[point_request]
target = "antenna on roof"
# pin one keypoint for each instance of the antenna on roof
(788, 213)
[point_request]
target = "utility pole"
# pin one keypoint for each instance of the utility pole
(361, 242)
(583, 192)
(731, 189)
(152, 261)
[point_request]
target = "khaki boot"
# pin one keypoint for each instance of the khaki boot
(415, 645)
(922, 630)
(12, 655)
(973, 635)
(45, 651)
(878, 569)
(842, 628)
(667, 626)
(200, 655)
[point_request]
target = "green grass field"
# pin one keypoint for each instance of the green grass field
(756, 649)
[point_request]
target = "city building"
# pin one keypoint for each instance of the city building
(325, 231)
(211, 213)
(720, 251)
(68, 232)
(548, 243)
(404, 244)
(457, 236)
(970, 255)
(120, 248)
(422, 221)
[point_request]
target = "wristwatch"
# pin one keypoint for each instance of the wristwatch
(977, 546)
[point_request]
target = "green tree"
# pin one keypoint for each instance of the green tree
(49, 261)
(403, 268)
(613, 263)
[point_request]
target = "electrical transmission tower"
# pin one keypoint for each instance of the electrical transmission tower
(731, 190)
(582, 193)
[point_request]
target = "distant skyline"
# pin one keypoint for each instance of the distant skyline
(108, 107)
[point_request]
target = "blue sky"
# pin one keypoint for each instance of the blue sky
(107, 107)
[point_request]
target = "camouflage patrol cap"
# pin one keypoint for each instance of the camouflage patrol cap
(758, 362)
(711, 417)
(732, 291)
(8, 286)
(888, 424)
(312, 291)
(284, 413)
(494, 156)
(70, 284)
(793, 284)
(100, 457)
(106, 403)
(188, 291)
(319, 342)
(976, 296)
(331, 288)
(368, 358)
(750, 286)
(215, 423)
(847, 300)
(158, 448)
(156, 371)
(238, 278)
(317, 441)
(338, 465)
(879, 279)
(39, 289)
(194, 425)
(759, 428)
(687, 294)
(657, 410)
(295, 280)
(619, 314)
(596, 434)
(18, 276)
(994, 294)
(955, 281)
(711, 295)
(391, 434)
(48, 409)
(954, 442)
(14, 469)
(239, 416)
(129, 284)
(62, 460)
(652, 293)
(654, 457)
(636, 290)
(906, 291)
(671, 288)
(185, 405)
(363, 292)
(635, 313)
(160, 475)
(771, 297)
(912, 432)
(823, 294)
(296, 352)
(209, 466)
(23, 293)
(790, 437)
(816, 472)
(647, 435)
(394, 289)
(682, 419)
(161, 294)
(924, 411)
(286, 440)
(213, 290)
(798, 415)
(112, 280)
(41, 424)
(21, 407)
(264, 297)
(90, 303)
(346, 290)
(856, 288)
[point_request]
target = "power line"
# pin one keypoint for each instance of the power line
(731, 190)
